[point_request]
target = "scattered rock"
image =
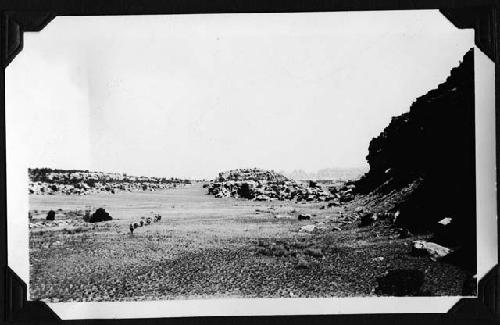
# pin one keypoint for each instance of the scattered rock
(262, 198)
(262, 243)
(304, 216)
(404, 233)
(368, 218)
(302, 263)
(333, 204)
(314, 252)
(313, 184)
(279, 216)
(308, 228)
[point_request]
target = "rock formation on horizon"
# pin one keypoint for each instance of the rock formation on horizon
(265, 185)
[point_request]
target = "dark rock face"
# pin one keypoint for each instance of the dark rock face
(367, 219)
(435, 143)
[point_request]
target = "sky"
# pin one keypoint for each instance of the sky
(192, 95)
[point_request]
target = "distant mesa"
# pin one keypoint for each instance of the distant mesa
(342, 174)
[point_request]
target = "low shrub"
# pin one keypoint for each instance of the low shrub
(51, 215)
(74, 230)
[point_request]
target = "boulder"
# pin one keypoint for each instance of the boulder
(433, 250)
(98, 216)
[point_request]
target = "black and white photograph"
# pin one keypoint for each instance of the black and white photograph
(214, 157)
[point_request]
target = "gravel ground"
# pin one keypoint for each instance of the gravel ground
(243, 252)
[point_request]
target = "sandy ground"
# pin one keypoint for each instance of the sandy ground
(205, 247)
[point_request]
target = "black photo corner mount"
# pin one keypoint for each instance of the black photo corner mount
(16, 23)
(482, 16)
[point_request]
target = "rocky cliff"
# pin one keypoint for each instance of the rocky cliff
(431, 149)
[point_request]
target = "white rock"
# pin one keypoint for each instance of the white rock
(434, 250)
(445, 221)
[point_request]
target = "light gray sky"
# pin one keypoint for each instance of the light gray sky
(192, 95)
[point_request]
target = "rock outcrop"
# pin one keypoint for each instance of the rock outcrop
(266, 185)
(428, 154)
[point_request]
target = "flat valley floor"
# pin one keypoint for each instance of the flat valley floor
(207, 247)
